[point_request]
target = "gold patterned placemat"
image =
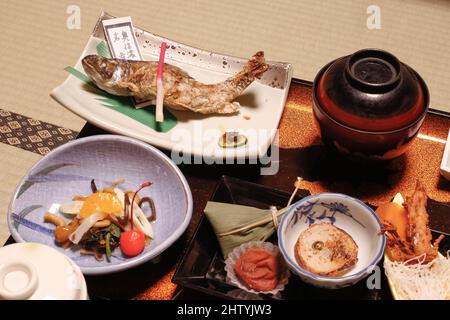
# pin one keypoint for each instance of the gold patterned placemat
(30, 134)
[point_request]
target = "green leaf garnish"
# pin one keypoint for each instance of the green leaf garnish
(103, 50)
(125, 105)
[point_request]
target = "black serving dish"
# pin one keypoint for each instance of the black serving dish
(202, 265)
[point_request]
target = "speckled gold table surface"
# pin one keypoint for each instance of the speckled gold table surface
(301, 154)
(37, 45)
(422, 161)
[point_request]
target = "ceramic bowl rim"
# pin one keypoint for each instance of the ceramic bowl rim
(143, 258)
(317, 104)
(308, 274)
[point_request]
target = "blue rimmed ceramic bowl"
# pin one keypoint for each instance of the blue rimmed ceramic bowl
(347, 213)
(68, 170)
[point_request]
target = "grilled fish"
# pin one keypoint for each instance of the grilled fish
(181, 92)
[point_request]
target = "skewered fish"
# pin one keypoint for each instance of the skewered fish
(181, 92)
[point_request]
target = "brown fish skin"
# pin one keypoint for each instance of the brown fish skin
(182, 92)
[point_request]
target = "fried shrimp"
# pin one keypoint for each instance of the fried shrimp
(418, 240)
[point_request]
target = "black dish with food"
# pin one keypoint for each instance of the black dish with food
(202, 266)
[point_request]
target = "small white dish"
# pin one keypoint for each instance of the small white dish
(33, 271)
(445, 162)
(347, 213)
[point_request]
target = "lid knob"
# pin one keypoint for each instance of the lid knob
(373, 71)
(18, 280)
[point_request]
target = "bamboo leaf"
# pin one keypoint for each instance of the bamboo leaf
(80, 76)
(225, 217)
(103, 50)
(146, 116)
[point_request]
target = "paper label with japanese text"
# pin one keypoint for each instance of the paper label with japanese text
(122, 42)
(119, 33)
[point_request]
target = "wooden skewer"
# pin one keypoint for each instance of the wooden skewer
(297, 186)
(160, 84)
(254, 224)
(267, 218)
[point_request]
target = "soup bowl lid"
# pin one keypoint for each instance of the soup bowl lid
(33, 271)
(371, 90)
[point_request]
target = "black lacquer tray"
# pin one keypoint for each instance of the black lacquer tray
(202, 265)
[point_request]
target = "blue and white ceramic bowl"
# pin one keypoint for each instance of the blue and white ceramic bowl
(347, 213)
(68, 170)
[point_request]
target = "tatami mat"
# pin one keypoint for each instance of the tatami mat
(15, 162)
(36, 45)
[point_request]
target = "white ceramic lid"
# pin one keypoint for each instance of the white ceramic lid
(34, 271)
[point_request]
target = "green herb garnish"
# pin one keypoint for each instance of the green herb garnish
(103, 240)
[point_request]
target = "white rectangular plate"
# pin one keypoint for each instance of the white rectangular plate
(185, 132)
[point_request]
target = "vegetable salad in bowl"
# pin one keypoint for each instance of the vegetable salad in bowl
(105, 220)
